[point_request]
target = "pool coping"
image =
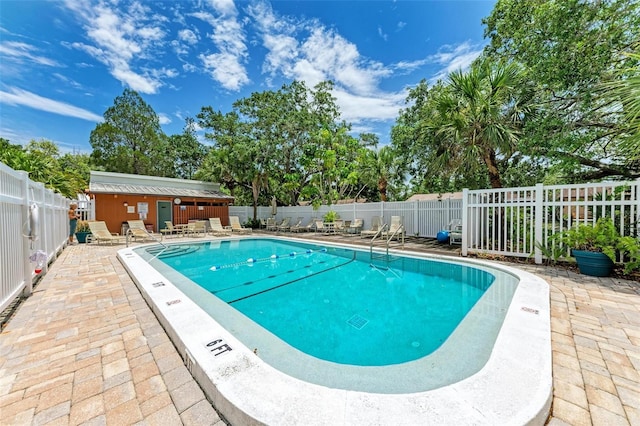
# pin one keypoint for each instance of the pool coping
(514, 386)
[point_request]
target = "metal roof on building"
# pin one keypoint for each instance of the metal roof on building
(119, 183)
(114, 188)
(435, 197)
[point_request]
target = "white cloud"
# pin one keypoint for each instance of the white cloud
(121, 38)
(186, 39)
(68, 81)
(321, 54)
(19, 51)
(226, 66)
(453, 58)
(382, 107)
(164, 118)
(310, 52)
(188, 36)
(17, 96)
(225, 69)
(382, 34)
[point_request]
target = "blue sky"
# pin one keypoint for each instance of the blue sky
(62, 63)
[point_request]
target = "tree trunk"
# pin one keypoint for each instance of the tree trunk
(492, 168)
(382, 188)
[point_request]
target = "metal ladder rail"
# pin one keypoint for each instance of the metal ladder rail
(371, 244)
(401, 230)
(387, 241)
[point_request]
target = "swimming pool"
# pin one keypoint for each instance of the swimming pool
(260, 377)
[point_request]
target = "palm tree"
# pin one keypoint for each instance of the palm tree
(478, 116)
(379, 167)
(624, 94)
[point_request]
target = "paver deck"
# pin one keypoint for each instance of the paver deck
(86, 349)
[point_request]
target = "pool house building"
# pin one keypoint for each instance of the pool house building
(118, 197)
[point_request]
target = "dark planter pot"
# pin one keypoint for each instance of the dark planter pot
(82, 236)
(593, 263)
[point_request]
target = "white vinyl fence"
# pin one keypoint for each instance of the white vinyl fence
(513, 222)
(48, 228)
(519, 221)
(421, 218)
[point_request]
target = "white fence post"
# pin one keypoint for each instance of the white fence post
(26, 242)
(465, 217)
(539, 212)
(416, 220)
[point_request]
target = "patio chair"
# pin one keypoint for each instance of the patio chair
(216, 227)
(137, 230)
(303, 228)
(319, 226)
(271, 224)
(197, 228)
(396, 229)
(169, 229)
(284, 225)
(237, 227)
(376, 223)
(355, 227)
(455, 231)
(100, 233)
(338, 226)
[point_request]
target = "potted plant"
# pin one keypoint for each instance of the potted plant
(82, 230)
(331, 216)
(594, 246)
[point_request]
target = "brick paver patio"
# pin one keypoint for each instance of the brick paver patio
(86, 349)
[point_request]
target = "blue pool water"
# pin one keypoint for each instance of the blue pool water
(337, 304)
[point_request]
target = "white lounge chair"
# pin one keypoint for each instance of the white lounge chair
(100, 233)
(284, 225)
(376, 223)
(137, 230)
(303, 228)
(237, 227)
(216, 227)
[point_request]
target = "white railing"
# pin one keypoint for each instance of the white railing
(514, 222)
(519, 221)
(420, 218)
(17, 193)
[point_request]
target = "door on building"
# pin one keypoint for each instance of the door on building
(165, 213)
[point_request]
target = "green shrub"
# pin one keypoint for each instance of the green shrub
(331, 216)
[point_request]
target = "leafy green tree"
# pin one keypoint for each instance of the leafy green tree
(288, 143)
(569, 48)
(186, 151)
(468, 125)
(236, 159)
(130, 139)
(338, 167)
(622, 94)
(292, 124)
(380, 168)
(67, 174)
(13, 155)
(76, 169)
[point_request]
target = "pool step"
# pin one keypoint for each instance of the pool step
(171, 251)
(382, 260)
